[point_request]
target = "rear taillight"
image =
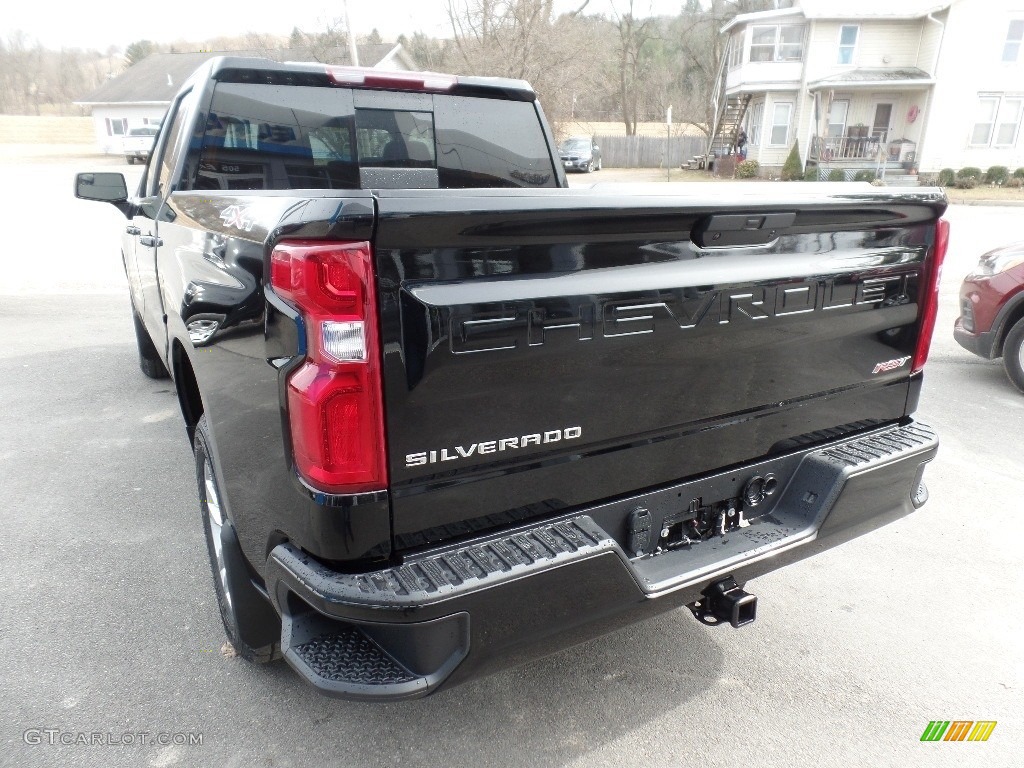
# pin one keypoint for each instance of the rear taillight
(334, 398)
(928, 294)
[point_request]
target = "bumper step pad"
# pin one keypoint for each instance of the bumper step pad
(350, 656)
(382, 658)
(370, 660)
(482, 564)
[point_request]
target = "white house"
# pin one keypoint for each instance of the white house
(141, 94)
(898, 86)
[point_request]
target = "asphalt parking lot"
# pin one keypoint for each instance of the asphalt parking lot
(108, 622)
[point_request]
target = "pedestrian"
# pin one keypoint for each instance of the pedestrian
(741, 144)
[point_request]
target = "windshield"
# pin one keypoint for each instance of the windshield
(575, 145)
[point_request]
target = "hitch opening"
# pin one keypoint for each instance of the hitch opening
(725, 601)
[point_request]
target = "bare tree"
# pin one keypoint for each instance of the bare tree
(634, 34)
(429, 53)
(23, 86)
(328, 45)
(523, 39)
(702, 48)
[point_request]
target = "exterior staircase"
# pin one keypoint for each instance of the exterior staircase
(727, 126)
(727, 114)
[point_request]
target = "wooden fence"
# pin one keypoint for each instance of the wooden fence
(648, 151)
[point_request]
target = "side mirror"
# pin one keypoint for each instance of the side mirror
(103, 188)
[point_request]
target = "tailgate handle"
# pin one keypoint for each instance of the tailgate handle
(728, 230)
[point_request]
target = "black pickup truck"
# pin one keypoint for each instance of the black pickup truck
(449, 414)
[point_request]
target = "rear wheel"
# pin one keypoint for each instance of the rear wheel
(130, 159)
(249, 621)
(149, 357)
(1013, 355)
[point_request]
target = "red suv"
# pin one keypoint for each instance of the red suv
(991, 322)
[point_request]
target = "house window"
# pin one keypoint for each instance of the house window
(997, 121)
(847, 43)
(754, 123)
(984, 122)
(735, 51)
(777, 43)
(117, 126)
(1008, 122)
(1014, 37)
(837, 118)
(781, 115)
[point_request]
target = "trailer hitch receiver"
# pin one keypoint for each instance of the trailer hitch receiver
(725, 601)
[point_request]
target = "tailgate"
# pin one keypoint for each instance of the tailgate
(549, 349)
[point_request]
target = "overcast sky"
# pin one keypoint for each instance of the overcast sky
(99, 25)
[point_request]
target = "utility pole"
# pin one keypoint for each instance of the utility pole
(353, 52)
(668, 144)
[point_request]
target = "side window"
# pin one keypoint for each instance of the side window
(163, 167)
(262, 136)
(490, 143)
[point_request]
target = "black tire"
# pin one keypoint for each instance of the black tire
(149, 359)
(130, 159)
(1013, 355)
(250, 623)
(590, 166)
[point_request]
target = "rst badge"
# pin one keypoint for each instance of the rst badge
(891, 365)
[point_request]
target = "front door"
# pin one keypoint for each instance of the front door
(157, 185)
(882, 123)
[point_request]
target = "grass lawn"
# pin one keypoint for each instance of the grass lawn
(985, 193)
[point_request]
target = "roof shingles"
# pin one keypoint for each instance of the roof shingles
(159, 76)
(874, 75)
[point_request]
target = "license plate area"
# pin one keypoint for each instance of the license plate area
(696, 514)
(698, 523)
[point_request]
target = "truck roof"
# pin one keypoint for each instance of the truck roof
(261, 70)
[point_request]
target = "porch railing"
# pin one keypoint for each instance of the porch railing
(825, 149)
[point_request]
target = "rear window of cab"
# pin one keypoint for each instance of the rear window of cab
(261, 136)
